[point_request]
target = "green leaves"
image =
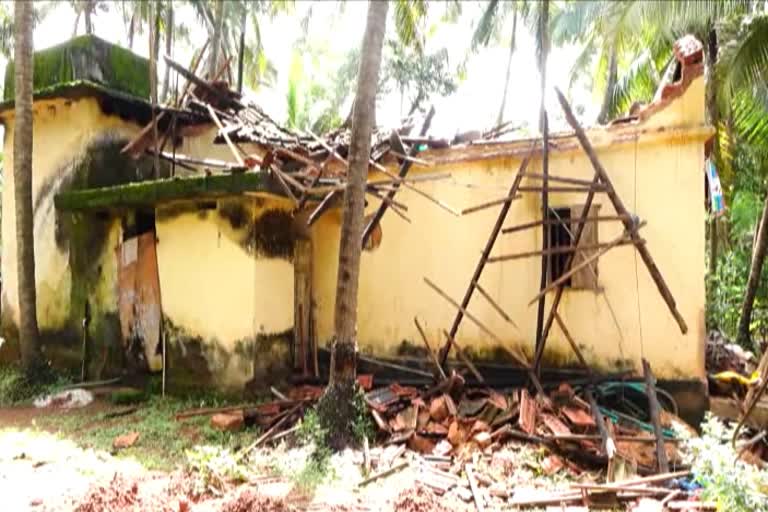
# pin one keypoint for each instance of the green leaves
(409, 18)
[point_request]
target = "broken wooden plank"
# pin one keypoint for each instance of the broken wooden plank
(506, 201)
(220, 126)
(478, 498)
(650, 263)
(528, 412)
(407, 184)
(572, 343)
(655, 410)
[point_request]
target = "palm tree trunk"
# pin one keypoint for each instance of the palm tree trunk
(131, 30)
(336, 409)
(22, 186)
(77, 22)
(605, 109)
(88, 22)
(168, 49)
(218, 25)
(714, 120)
(756, 268)
(500, 118)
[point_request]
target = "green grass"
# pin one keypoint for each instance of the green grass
(162, 440)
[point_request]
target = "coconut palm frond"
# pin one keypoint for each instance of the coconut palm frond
(409, 18)
(573, 20)
(487, 25)
(743, 60)
(750, 114)
(639, 83)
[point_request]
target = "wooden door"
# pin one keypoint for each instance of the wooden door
(139, 302)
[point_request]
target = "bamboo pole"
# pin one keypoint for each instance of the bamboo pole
(432, 354)
(495, 306)
(559, 250)
(553, 222)
(464, 358)
(486, 252)
(658, 279)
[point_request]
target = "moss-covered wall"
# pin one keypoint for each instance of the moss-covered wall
(226, 276)
(86, 58)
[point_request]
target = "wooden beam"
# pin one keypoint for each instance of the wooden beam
(495, 202)
(658, 279)
(560, 250)
(464, 358)
(555, 222)
(572, 343)
(655, 411)
(493, 304)
(486, 252)
(404, 168)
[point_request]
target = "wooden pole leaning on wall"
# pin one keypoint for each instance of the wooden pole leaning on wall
(404, 168)
(581, 224)
(658, 279)
(486, 253)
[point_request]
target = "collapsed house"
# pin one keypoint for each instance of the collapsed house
(219, 239)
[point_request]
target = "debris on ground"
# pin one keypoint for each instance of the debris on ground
(67, 399)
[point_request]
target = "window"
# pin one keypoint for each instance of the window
(562, 225)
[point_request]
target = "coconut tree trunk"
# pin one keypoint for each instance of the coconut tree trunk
(168, 49)
(218, 28)
(500, 118)
(613, 72)
(88, 21)
(714, 119)
(336, 409)
(22, 186)
(758, 257)
(131, 30)
(77, 22)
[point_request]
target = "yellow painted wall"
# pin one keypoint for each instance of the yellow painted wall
(62, 131)
(214, 287)
(658, 174)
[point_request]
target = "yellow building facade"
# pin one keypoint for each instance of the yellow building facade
(226, 255)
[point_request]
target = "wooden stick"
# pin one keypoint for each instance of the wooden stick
(560, 281)
(486, 252)
(404, 168)
(653, 479)
(420, 161)
(394, 366)
(463, 357)
(382, 474)
(666, 294)
(432, 355)
(321, 208)
(495, 306)
(556, 222)
(208, 411)
(576, 240)
(562, 190)
(490, 204)
(395, 205)
(266, 435)
(559, 250)
(653, 406)
(563, 179)
(423, 194)
(463, 310)
(224, 134)
(592, 437)
(609, 446)
(474, 488)
(572, 343)
(281, 181)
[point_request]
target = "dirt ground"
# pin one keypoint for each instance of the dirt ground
(42, 469)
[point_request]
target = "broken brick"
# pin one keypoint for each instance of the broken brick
(552, 464)
(421, 444)
(554, 424)
(228, 422)
(438, 410)
(458, 433)
(125, 441)
(578, 417)
(528, 407)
